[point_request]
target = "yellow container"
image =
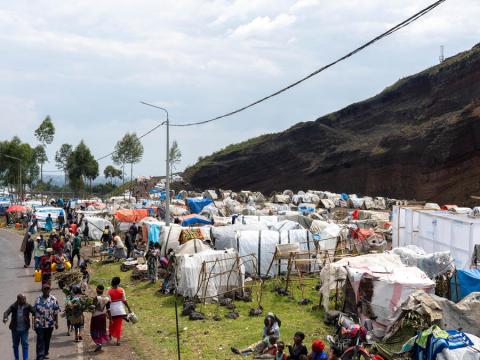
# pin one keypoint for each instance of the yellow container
(37, 276)
(68, 266)
(54, 267)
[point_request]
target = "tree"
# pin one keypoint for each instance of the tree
(61, 158)
(12, 169)
(175, 156)
(111, 172)
(129, 150)
(45, 133)
(41, 158)
(81, 165)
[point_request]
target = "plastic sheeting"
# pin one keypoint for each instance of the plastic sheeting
(131, 215)
(191, 280)
(197, 204)
(466, 281)
(436, 231)
(394, 282)
(96, 225)
(326, 233)
(252, 219)
(432, 264)
(224, 237)
(191, 220)
(192, 247)
(41, 214)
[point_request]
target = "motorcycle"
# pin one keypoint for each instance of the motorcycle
(350, 339)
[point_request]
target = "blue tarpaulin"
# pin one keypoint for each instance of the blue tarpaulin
(196, 205)
(154, 233)
(344, 196)
(467, 281)
(195, 220)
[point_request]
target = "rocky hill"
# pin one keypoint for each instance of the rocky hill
(418, 139)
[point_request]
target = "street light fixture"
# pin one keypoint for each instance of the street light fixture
(167, 172)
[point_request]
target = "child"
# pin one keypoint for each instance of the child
(77, 307)
(280, 354)
(318, 352)
(298, 348)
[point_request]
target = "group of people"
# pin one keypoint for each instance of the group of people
(270, 347)
(43, 316)
(113, 243)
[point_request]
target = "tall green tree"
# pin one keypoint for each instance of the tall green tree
(45, 134)
(41, 158)
(128, 150)
(110, 172)
(175, 156)
(81, 165)
(61, 158)
(17, 160)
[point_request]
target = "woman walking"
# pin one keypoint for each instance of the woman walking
(49, 223)
(118, 301)
(153, 256)
(98, 324)
(119, 251)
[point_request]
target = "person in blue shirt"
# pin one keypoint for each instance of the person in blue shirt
(49, 223)
(318, 351)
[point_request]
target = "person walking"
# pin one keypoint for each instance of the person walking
(98, 323)
(77, 245)
(119, 251)
(38, 251)
(46, 318)
(118, 301)
(133, 231)
(49, 223)
(19, 324)
(86, 233)
(27, 248)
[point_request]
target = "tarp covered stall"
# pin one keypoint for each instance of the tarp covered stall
(380, 282)
(463, 283)
(41, 215)
(131, 215)
(197, 204)
(221, 268)
(436, 230)
(96, 225)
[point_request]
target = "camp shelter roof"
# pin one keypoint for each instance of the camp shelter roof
(17, 208)
(131, 215)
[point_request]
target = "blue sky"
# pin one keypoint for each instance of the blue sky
(87, 64)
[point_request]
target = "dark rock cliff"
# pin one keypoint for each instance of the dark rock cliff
(418, 139)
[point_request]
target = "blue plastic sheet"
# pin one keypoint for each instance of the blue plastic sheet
(154, 233)
(468, 281)
(195, 205)
(194, 220)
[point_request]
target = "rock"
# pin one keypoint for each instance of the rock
(232, 315)
(194, 315)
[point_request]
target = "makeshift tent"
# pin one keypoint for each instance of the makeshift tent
(326, 234)
(224, 237)
(433, 265)
(252, 219)
(262, 245)
(192, 247)
(379, 282)
(131, 215)
(194, 219)
(436, 230)
(464, 282)
(17, 208)
(151, 229)
(41, 214)
(197, 204)
(96, 225)
(169, 237)
(209, 274)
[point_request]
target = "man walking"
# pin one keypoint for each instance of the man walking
(77, 245)
(46, 318)
(86, 233)
(19, 324)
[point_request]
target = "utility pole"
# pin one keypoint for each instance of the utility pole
(167, 169)
(441, 58)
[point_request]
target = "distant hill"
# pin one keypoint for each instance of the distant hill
(419, 138)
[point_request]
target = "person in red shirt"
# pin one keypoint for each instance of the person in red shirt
(73, 228)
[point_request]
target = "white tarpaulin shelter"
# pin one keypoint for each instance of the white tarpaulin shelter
(435, 231)
(381, 282)
(222, 269)
(96, 225)
(41, 214)
(263, 243)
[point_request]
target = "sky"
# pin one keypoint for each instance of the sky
(88, 64)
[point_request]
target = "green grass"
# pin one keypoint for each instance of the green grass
(153, 337)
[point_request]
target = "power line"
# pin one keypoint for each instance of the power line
(140, 137)
(390, 31)
(351, 53)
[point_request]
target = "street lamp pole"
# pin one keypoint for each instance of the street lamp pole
(20, 187)
(167, 171)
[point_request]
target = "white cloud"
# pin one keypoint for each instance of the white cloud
(263, 26)
(300, 5)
